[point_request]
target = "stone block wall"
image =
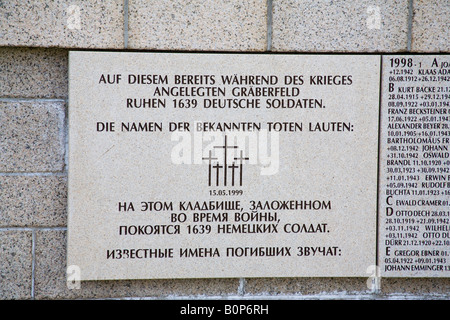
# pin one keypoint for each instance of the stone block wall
(35, 38)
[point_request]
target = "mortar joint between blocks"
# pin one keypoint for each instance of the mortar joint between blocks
(125, 24)
(410, 23)
(269, 24)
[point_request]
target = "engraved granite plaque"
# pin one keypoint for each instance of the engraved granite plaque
(222, 165)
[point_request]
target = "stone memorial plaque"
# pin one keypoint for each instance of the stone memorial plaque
(414, 233)
(222, 165)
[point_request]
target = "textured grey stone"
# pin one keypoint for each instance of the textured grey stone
(306, 286)
(338, 25)
(50, 278)
(30, 201)
(440, 287)
(15, 264)
(33, 73)
(197, 25)
(430, 29)
(61, 23)
(31, 136)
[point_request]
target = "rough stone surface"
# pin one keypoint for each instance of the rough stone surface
(61, 23)
(430, 30)
(29, 201)
(306, 286)
(33, 73)
(433, 287)
(15, 264)
(50, 278)
(325, 25)
(31, 136)
(198, 24)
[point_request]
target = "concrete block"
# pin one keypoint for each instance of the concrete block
(307, 286)
(30, 201)
(341, 26)
(430, 29)
(228, 25)
(33, 73)
(15, 264)
(31, 136)
(60, 23)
